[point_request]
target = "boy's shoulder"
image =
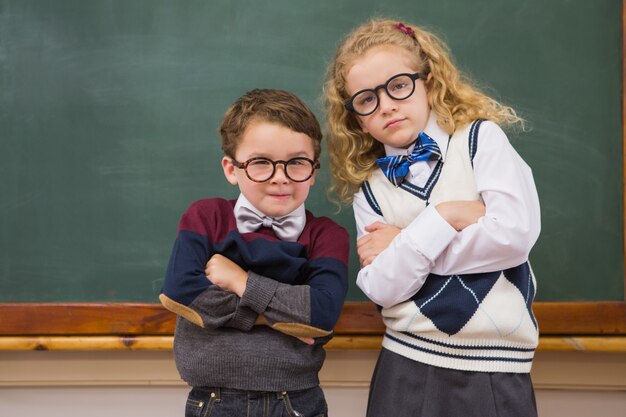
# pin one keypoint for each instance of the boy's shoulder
(323, 229)
(211, 205)
(325, 238)
(322, 223)
(206, 214)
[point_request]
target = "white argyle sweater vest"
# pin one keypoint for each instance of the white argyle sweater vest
(474, 322)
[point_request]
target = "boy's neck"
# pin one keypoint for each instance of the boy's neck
(242, 201)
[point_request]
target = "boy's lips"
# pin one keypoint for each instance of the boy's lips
(279, 196)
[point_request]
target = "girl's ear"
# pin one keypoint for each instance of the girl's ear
(229, 170)
(428, 82)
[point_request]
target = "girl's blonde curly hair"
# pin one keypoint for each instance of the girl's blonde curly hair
(450, 94)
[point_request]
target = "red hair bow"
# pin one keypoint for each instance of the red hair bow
(405, 29)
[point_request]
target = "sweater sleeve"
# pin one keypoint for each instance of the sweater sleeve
(505, 235)
(400, 270)
(220, 308)
(187, 292)
(313, 308)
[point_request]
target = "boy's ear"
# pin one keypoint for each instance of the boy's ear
(312, 179)
(229, 170)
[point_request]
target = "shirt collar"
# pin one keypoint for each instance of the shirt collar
(433, 130)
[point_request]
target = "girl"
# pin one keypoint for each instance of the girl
(418, 150)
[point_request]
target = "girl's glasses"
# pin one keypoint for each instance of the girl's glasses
(260, 169)
(398, 87)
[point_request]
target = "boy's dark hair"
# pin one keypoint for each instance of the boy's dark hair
(268, 105)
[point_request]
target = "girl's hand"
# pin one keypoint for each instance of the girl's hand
(379, 237)
(460, 214)
(226, 274)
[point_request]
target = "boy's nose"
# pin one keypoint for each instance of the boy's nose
(279, 176)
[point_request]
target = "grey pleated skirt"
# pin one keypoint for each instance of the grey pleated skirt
(402, 387)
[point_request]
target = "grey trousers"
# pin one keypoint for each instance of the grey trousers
(402, 387)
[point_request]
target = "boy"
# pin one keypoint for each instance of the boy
(254, 280)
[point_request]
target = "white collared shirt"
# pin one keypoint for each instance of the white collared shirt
(499, 240)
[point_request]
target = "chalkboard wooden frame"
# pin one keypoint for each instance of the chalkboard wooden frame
(358, 318)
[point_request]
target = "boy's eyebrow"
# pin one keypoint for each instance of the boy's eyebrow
(299, 153)
(289, 156)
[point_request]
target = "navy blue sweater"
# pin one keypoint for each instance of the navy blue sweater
(298, 286)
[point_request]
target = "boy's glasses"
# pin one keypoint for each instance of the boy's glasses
(261, 169)
(398, 87)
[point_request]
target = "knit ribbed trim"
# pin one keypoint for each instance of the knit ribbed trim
(369, 197)
(259, 292)
(423, 193)
(244, 318)
(485, 357)
(251, 373)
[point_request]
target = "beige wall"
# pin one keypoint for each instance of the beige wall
(145, 383)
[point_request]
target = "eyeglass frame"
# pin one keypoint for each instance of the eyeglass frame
(244, 165)
(348, 104)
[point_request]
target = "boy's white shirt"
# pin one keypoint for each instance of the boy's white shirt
(499, 240)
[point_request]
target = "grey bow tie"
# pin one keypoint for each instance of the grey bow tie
(287, 227)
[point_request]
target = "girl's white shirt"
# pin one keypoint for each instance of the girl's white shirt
(501, 239)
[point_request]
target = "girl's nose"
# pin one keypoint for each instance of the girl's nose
(386, 103)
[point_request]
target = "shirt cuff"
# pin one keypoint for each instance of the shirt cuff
(429, 234)
(259, 292)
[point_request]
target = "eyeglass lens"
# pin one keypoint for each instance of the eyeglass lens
(296, 169)
(399, 87)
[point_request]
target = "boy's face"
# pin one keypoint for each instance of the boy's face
(279, 195)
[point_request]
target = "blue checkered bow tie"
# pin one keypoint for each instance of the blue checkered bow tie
(396, 167)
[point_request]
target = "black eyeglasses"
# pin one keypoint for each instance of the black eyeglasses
(260, 169)
(398, 87)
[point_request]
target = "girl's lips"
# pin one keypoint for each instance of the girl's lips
(393, 123)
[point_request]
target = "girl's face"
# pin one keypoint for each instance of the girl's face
(279, 195)
(394, 123)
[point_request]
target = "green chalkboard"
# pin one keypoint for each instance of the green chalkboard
(109, 111)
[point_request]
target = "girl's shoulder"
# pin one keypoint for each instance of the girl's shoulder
(490, 145)
(481, 128)
(483, 132)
